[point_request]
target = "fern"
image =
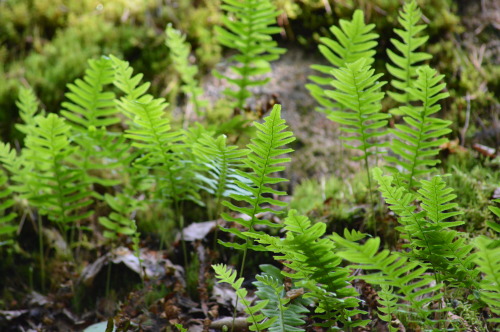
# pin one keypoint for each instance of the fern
(257, 320)
(408, 278)
(61, 193)
(90, 106)
(126, 82)
(428, 230)
(358, 91)
(354, 40)
(419, 138)
(267, 150)
(389, 302)
(315, 266)
(488, 262)
(179, 54)
(221, 161)
(28, 108)
(91, 110)
(119, 222)
(248, 31)
(7, 228)
(405, 65)
(270, 287)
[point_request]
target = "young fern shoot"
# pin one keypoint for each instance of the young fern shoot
(405, 64)
(179, 54)
(267, 150)
(354, 40)
(248, 32)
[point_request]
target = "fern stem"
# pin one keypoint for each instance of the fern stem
(42, 257)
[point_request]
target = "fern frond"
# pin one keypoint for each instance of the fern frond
(90, 106)
(221, 161)
(179, 54)
(419, 138)
(28, 108)
(257, 320)
(354, 40)
(128, 83)
(7, 228)
(357, 89)
(428, 230)
(289, 315)
(61, 193)
(315, 266)
(120, 221)
(267, 150)
(488, 262)
(406, 62)
(389, 302)
(409, 278)
(248, 31)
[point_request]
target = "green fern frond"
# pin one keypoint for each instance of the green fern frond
(257, 320)
(488, 263)
(428, 231)
(408, 278)
(354, 40)
(90, 106)
(389, 301)
(419, 138)
(358, 91)
(249, 25)
(179, 54)
(267, 150)
(62, 193)
(7, 228)
(28, 108)
(221, 161)
(406, 62)
(289, 315)
(120, 221)
(315, 266)
(128, 83)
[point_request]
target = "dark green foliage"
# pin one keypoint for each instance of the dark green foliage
(354, 40)
(419, 138)
(267, 150)
(249, 25)
(405, 63)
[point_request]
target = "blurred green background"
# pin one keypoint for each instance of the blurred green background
(45, 44)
